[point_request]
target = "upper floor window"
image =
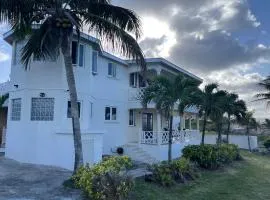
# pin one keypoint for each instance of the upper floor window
(94, 61)
(77, 54)
(16, 106)
(69, 109)
(112, 69)
(42, 109)
(110, 113)
(136, 80)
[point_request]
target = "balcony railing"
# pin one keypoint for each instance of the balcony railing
(135, 94)
(162, 138)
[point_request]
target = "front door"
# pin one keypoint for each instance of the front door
(147, 121)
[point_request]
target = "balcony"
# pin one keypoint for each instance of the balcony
(135, 94)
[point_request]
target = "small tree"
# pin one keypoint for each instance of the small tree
(166, 93)
(249, 122)
(3, 99)
(210, 105)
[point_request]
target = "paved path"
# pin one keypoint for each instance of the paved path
(33, 182)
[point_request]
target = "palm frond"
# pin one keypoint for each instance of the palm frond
(121, 41)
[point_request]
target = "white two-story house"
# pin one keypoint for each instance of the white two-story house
(111, 115)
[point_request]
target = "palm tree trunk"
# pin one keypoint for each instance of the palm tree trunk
(170, 140)
(249, 145)
(229, 128)
(66, 51)
(203, 131)
(219, 128)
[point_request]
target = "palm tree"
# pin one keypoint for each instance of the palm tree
(249, 122)
(234, 108)
(166, 93)
(3, 99)
(266, 123)
(265, 96)
(211, 105)
(50, 27)
(188, 94)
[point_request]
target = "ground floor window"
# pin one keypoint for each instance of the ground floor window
(42, 109)
(132, 118)
(16, 106)
(147, 122)
(110, 113)
(69, 109)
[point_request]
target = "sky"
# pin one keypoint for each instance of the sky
(223, 41)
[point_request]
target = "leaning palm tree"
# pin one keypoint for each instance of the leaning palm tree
(265, 96)
(51, 26)
(234, 108)
(211, 104)
(166, 93)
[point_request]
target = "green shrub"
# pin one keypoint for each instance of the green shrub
(112, 186)
(167, 174)
(267, 144)
(86, 177)
(211, 156)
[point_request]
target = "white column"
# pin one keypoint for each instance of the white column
(159, 127)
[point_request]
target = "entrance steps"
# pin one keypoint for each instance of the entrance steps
(136, 153)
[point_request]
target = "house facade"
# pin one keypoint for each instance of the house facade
(39, 128)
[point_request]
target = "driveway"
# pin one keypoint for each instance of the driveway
(30, 182)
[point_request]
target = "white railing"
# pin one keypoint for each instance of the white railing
(4, 130)
(135, 94)
(161, 138)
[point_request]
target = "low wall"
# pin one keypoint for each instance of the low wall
(240, 140)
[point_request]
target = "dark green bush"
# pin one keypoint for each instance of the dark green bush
(167, 174)
(211, 156)
(267, 144)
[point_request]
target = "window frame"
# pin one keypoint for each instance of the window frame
(12, 117)
(133, 116)
(110, 114)
(35, 118)
(80, 55)
(113, 70)
(94, 70)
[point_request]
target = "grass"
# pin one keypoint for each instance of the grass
(248, 179)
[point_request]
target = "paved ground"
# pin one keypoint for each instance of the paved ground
(33, 182)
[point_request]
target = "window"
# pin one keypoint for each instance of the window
(42, 109)
(16, 107)
(91, 109)
(94, 62)
(131, 118)
(112, 69)
(110, 114)
(77, 54)
(136, 80)
(69, 109)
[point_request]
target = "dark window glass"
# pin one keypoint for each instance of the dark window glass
(113, 114)
(81, 55)
(74, 53)
(107, 113)
(94, 61)
(69, 109)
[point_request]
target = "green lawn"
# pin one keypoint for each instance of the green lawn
(244, 180)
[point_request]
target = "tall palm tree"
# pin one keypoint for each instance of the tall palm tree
(249, 122)
(234, 108)
(3, 99)
(211, 105)
(188, 94)
(265, 96)
(58, 22)
(166, 93)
